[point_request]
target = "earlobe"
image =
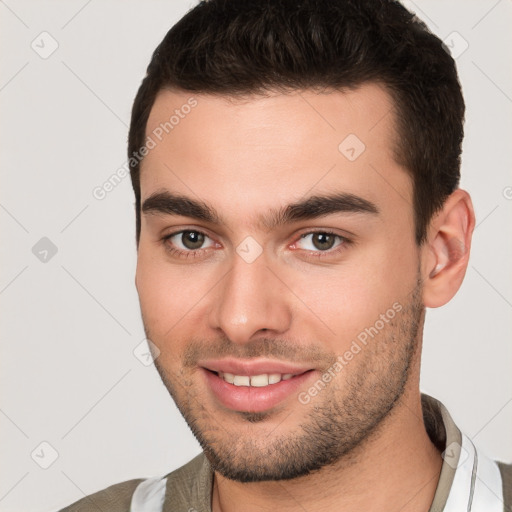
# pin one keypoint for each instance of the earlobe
(447, 249)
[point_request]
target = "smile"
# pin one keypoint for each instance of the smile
(257, 381)
(246, 386)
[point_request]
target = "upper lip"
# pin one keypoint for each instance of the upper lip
(251, 367)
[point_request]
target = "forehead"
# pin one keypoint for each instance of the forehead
(264, 151)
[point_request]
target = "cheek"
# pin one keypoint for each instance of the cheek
(161, 293)
(170, 295)
(346, 300)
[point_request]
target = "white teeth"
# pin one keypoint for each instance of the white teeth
(241, 380)
(229, 377)
(274, 378)
(257, 381)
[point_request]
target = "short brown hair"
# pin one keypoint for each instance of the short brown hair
(240, 47)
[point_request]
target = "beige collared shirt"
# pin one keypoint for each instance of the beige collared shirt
(469, 481)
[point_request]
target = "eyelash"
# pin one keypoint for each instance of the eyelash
(344, 242)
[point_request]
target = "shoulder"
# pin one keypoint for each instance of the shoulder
(116, 498)
(191, 482)
(506, 476)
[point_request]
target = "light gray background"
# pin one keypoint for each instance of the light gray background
(69, 326)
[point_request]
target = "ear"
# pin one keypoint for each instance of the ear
(445, 253)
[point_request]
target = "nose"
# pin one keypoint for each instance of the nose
(250, 300)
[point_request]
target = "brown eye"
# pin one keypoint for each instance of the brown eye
(188, 241)
(319, 241)
(192, 239)
(323, 241)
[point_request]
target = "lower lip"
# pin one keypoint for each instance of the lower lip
(250, 398)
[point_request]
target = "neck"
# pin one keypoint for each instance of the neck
(395, 469)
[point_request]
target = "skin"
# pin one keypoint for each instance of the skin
(245, 158)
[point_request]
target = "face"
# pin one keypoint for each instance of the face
(278, 273)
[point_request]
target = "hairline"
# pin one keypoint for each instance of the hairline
(394, 94)
(240, 97)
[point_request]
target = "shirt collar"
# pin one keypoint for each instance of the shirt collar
(468, 481)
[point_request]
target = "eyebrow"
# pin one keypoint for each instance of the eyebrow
(166, 203)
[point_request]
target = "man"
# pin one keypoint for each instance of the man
(296, 167)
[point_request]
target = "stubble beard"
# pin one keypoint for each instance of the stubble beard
(340, 419)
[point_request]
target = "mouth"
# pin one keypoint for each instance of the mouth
(257, 381)
(245, 386)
